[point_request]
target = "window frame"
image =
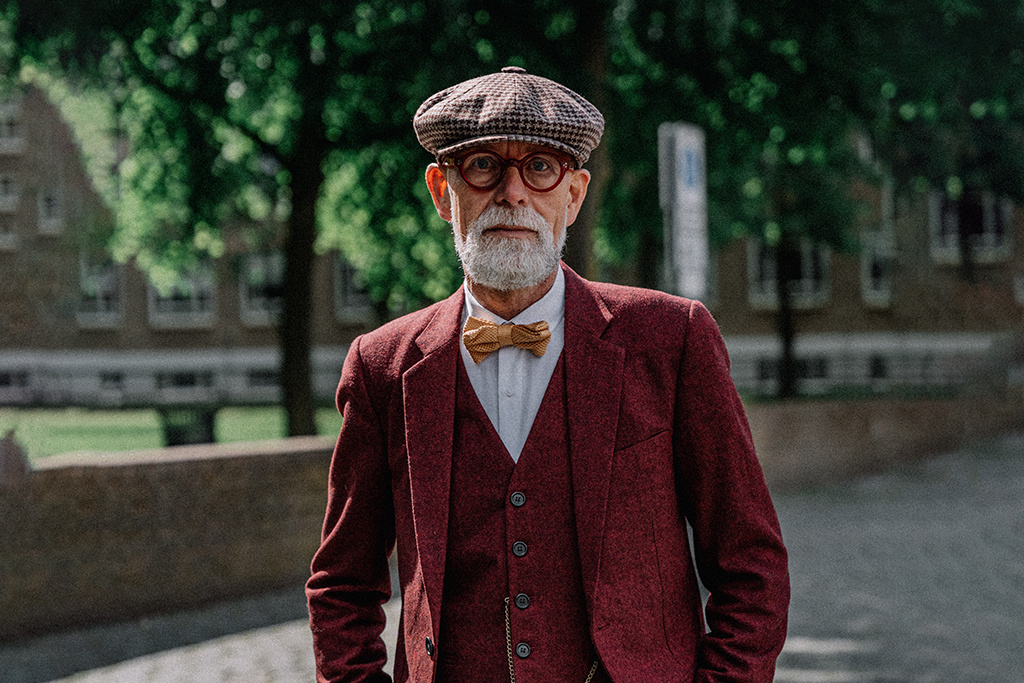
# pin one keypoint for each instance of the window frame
(943, 228)
(762, 277)
(351, 302)
(256, 308)
(103, 277)
(194, 315)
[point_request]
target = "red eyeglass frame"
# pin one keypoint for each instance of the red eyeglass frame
(456, 161)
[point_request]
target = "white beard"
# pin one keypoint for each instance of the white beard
(508, 263)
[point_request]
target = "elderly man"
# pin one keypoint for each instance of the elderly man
(537, 445)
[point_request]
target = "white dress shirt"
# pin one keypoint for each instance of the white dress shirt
(511, 382)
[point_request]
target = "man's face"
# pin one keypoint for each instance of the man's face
(510, 236)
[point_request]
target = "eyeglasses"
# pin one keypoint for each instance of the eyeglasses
(540, 171)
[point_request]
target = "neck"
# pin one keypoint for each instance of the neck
(510, 304)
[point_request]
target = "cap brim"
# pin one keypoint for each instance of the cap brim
(463, 145)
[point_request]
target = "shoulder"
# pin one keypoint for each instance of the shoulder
(393, 342)
(646, 321)
(648, 308)
(402, 330)
(626, 301)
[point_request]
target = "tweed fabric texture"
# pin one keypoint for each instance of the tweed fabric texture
(656, 437)
(511, 105)
(482, 337)
(480, 567)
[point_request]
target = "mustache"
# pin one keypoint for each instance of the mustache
(513, 216)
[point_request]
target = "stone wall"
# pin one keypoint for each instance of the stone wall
(817, 443)
(95, 538)
(92, 538)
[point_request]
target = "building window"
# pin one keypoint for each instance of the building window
(189, 303)
(9, 193)
(261, 289)
(112, 381)
(51, 213)
(262, 379)
(99, 299)
(878, 252)
(767, 371)
(878, 371)
(986, 219)
(809, 287)
(184, 380)
(13, 380)
(876, 261)
(8, 234)
(812, 368)
(351, 302)
(12, 141)
(877, 367)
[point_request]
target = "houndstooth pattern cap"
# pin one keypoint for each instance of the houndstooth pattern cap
(511, 105)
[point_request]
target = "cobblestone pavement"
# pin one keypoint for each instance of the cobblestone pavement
(911, 576)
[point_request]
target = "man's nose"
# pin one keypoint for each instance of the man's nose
(511, 189)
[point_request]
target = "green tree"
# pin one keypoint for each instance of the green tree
(294, 119)
(779, 88)
(238, 112)
(291, 120)
(952, 110)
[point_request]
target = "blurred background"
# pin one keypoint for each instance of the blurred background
(202, 202)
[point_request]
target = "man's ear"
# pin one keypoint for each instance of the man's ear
(578, 183)
(437, 183)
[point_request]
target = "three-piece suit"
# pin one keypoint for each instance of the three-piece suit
(641, 436)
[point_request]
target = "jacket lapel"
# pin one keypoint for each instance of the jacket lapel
(594, 369)
(429, 403)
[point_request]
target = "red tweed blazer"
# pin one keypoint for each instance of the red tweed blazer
(657, 439)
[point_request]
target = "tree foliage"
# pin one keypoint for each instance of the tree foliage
(291, 121)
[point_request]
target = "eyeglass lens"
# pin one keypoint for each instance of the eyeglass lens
(539, 171)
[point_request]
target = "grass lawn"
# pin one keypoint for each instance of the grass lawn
(49, 431)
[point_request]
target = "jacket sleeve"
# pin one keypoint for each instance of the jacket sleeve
(350, 580)
(738, 545)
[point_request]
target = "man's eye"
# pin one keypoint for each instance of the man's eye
(540, 165)
(482, 163)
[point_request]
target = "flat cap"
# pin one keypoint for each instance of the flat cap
(510, 105)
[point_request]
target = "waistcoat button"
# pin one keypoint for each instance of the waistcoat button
(519, 548)
(523, 650)
(430, 647)
(522, 601)
(518, 499)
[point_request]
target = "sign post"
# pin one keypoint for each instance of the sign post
(683, 197)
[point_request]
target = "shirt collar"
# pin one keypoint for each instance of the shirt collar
(550, 307)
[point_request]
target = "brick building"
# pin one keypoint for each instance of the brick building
(77, 328)
(899, 313)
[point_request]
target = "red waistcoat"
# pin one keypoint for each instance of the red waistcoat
(512, 534)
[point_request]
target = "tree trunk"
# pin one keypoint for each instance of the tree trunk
(295, 331)
(296, 326)
(579, 245)
(970, 218)
(787, 265)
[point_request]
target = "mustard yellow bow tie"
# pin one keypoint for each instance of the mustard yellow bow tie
(482, 337)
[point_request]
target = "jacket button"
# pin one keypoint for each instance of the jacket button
(522, 601)
(518, 499)
(519, 548)
(523, 650)
(430, 647)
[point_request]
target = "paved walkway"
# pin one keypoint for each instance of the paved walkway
(915, 576)
(912, 576)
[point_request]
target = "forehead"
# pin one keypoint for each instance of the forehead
(512, 149)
